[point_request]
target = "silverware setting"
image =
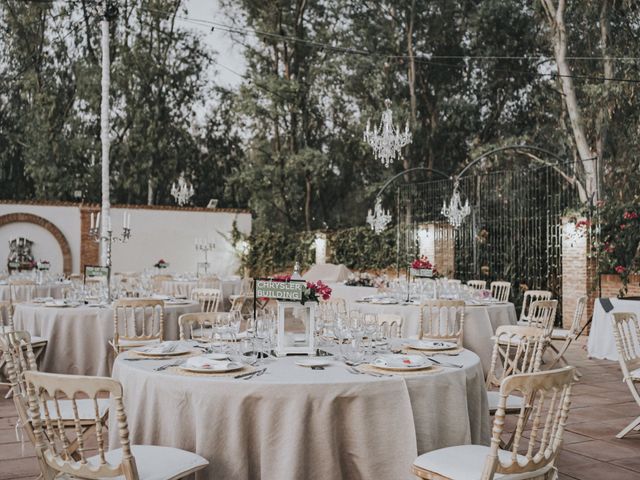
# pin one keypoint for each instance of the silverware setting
(444, 364)
(250, 375)
(169, 365)
(355, 371)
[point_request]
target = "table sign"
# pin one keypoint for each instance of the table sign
(422, 272)
(95, 271)
(296, 321)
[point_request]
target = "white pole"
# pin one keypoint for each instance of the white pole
(105, 134)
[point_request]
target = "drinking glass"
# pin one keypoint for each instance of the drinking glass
(248, 348)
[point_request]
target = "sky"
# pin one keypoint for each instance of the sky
(229, 53)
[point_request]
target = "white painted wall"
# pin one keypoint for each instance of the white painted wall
(171, 234)
(66, 218)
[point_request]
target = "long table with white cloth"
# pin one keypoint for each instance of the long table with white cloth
(602, 343)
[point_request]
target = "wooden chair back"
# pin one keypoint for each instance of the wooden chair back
(477, 284)
(137, 320)
(392, 323)
(208, 298)
(21, 290)
(500, 290)
(574, 329)
(199, 326)
(542, 314)
(157, 282)
(442, 320)
(531, 296)
(6, 316)
(238, 303)
(55, 444)
(246, 286)
(542, 418)
(516, 349)
(626, 331)
(209, 282)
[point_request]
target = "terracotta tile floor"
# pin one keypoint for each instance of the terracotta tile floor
(602, 406)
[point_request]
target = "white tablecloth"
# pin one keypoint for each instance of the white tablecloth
(601, 343)
(24, 293)
(480, 323)
(183, 288)
(79, 336)
(297, 423)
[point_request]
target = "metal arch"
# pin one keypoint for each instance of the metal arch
(508, 147)
(392, 179)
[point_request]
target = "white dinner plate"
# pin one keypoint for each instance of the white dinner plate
(312, 362)
(402, 363)
(231, 367)
(433, 345)
(177, 302)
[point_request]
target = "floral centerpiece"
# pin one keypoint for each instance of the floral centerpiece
(162, 264)
(313, 292)
(422, 267)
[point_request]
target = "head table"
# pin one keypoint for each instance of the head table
(79, 336)
(182, 288)
(294, 422)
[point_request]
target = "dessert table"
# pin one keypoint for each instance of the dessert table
(25, 293)
(78, 337)
(602, 343)
(295, 422)
(183, 288)
(480, 323)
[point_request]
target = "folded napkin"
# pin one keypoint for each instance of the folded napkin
(204, 362)
(164, 347)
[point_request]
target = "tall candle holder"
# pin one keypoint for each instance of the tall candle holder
(96, 235)
(205, 246)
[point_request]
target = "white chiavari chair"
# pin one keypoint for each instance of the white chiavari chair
(567, 336)
(157, 283)
(531, 296)
(500, 290)
(241, 304)
(7, 312)
(21, 290)
(542, 314)
(53, 443)
(19, 359)
(546, 400)
(208, 298)
(392, 323)
(477, 284)
(442, 320)
(200, 326)
(137, 322)
(211, 281)
(626, 330)
(516, 349)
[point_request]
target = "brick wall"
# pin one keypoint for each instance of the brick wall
(611, 284)
(89, 249)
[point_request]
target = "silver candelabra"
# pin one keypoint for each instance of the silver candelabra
(205, 246)
(95, 233)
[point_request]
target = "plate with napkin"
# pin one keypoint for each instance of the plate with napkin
(402, 363)
(432, 345)
(164, 349)
(205, 364)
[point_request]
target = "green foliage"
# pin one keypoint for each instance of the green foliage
(620, 238)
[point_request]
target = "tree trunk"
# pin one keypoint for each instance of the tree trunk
(602, 122)
(555, 17)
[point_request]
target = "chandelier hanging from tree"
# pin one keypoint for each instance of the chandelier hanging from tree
(379, 218)
(183, 191)
(387, 140)
(455, 211)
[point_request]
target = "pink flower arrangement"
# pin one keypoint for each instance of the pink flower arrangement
(422, 263)
(620, 269)
(629, 215)
(583, 223)
(319, 289)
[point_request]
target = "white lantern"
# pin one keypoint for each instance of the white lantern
(296, 328)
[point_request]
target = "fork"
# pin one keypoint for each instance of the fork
(169, 365)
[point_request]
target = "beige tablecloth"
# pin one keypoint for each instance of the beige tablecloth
(182, 288)
(25, 293)
(78, 337)
(480, 323)
(297, 423)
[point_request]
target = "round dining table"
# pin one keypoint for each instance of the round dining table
(78, 336)
(23, 293)
(296, 422)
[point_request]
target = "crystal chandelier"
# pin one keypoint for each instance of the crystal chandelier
(379, 218)
(387, 140)
(183, 191)
(455, 212)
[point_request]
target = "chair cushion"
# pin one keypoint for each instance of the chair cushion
(85, 409)
(513, 401)
(155, 463)
(559, 334)
(466, 462)
(124, 343)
